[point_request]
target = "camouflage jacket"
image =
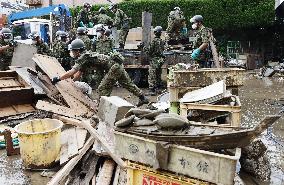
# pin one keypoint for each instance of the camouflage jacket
(156, 48)
(92, 60)
(201, 36)
(104, 45)
(87, 41)
(8, 53)
(102, 19)
(60, 50)
(84, 17)
(42, 48)
(121, 20)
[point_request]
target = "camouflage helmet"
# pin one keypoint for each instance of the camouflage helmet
(112, 6)
(196, 18)
(63, 34)
(102, 10)
(158, 30)
(177, 8)
(6, 31)
(116, 56)
(86, 5)
(76, 44)
(81, 30)
(34, 35)
(108, 32)
(57, 34)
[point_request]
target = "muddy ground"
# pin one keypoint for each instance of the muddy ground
(259, 97)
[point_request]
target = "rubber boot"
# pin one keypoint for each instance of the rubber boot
(142, 100)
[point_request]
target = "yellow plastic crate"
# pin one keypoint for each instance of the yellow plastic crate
(142, 175)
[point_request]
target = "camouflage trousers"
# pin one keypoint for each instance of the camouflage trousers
(93, 77)
(155, 71)
(122, 35)
(118, 74)
(4, 64)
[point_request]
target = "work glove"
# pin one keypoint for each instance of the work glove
(90, 25)
(195, 54)
(81, 24)
(55, 80)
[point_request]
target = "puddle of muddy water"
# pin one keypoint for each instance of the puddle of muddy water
(12, 172)
(260, 97)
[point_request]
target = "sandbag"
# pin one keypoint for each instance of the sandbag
(143, 122)
(152, 115)
(172, 121)
(125, 121)
(137, 112)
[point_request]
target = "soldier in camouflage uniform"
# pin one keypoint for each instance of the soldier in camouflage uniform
(6, 49)
(102, 18)
(155, 52)
(84, 15)
(85, 60)
(61, 52)
(176, 21)
(88, 76)
(201, 42)
(121, 21)
(42, 47)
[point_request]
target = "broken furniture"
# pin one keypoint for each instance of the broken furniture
(183, 81)
(16, 95)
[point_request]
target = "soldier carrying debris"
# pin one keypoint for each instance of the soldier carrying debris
(112, 63)
(123, 21)
(84, 16)
(155, 52)
(60, 50)
(6, 48)
(176, 21)
(201, 42)
(42, 47)
(103, 18)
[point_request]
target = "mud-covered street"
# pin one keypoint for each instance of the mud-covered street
(259, 97)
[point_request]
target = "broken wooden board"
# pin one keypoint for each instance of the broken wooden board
(81, 135)
(207, 94)
(16, 109)
(30, 79)
(63, 172)
(94, 133)
(16, 96)
(105, 175)
(23, 55)
(72, 95)
(214, 51)
(57, 109)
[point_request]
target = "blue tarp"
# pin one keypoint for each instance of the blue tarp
(39, 12)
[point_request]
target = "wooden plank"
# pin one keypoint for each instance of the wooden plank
(23, 55)
(146, 28)
(206, 94)
(16, 109)
(63, 172)
(214, 52)
(95, 135)
(73, 96)
(50, 107)
(72, 142)
(64, 157)
(81, 134)
(31, 80)
(91, 171)
(16, 96)
(190, 106)
(106, 172)
(116, 176)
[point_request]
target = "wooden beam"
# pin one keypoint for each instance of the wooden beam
(16, 96)
(95, 135)
(50, 107)
(106, 172)
(63, 172)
